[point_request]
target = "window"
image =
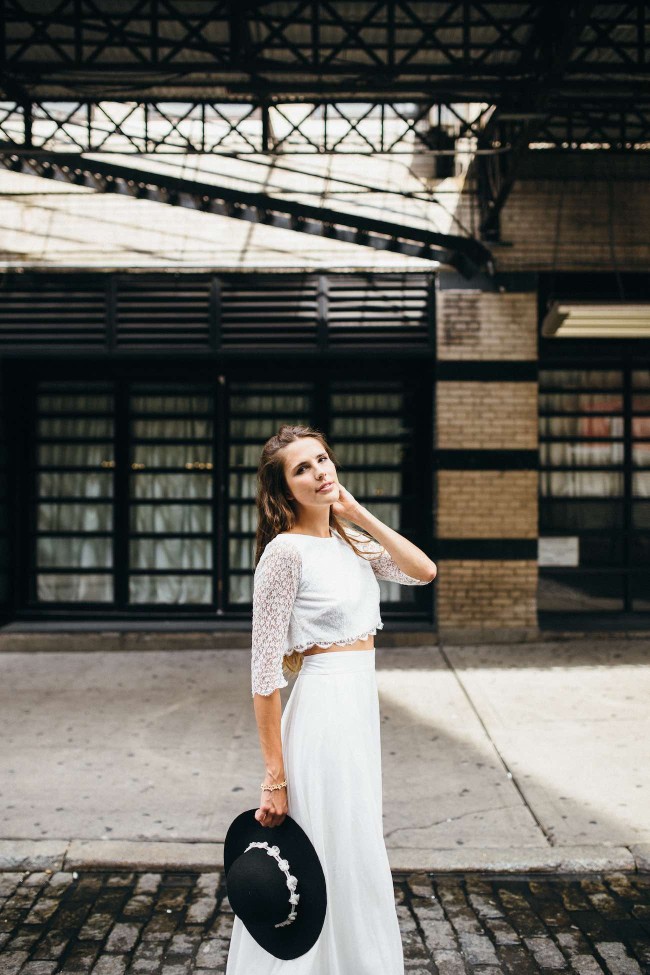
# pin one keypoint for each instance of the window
(594, 426)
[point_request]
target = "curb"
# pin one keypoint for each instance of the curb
(135, 640)
(65, 855)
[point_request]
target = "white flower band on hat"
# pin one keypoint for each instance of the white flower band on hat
(274, 851)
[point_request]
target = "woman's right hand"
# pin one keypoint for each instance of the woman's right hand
(273, 808)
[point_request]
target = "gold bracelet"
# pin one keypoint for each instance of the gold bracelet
(270, 788)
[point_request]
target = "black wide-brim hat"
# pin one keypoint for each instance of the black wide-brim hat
(250, 880)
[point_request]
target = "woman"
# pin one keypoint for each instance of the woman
(316, 610)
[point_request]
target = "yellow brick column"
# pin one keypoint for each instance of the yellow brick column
(486, 453)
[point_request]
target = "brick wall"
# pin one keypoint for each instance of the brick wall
(481, 325)
(481, 415)
(571, 212)
(581, 225)
(486, 432)
(487, 504)
(482, 600)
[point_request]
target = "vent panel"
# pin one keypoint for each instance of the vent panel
(196, 312)
(163, 312)
(43, 313)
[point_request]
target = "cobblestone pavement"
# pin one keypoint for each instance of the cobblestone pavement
(173, 923)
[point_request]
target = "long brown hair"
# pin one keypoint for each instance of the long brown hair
(275, 513)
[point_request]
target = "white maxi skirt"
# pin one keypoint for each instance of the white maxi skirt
(332, 758)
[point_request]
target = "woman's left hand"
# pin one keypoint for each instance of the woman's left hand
(347, 505)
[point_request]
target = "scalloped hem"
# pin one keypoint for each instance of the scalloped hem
(336, 643)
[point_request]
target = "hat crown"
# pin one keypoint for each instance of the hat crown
(257, 888)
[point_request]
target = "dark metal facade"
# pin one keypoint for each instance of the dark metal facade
(132, 395)
(226, 315)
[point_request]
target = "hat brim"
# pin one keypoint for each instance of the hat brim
(297, 938)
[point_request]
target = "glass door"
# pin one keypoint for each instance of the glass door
(371, 427)
(640, 490)
(73, 502)
(255, 411)
(124, 495)
(371, 430)
(171, 495)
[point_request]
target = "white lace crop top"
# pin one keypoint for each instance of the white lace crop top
(315, 591)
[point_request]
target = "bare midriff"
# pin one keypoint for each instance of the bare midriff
(366, 644)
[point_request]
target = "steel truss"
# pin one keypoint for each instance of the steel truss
(325, 127)
(464, 253)
(474, 51)
(301, 76)
(240, 127)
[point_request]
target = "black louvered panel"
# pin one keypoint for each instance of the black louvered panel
(41, 312)
(189, 312)
(261, 310)
(378, 309)
(162, 312)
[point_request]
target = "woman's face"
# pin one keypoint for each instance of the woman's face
(307, 467)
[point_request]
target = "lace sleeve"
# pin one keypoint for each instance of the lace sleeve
(383, 564)
(275, 585)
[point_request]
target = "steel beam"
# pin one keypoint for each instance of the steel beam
(378, 48)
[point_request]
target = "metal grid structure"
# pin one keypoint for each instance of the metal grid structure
(299, 47)
(326, 126)
(301, 76)
(244, 128)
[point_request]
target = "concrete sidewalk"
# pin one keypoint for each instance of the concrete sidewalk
(502, 758)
